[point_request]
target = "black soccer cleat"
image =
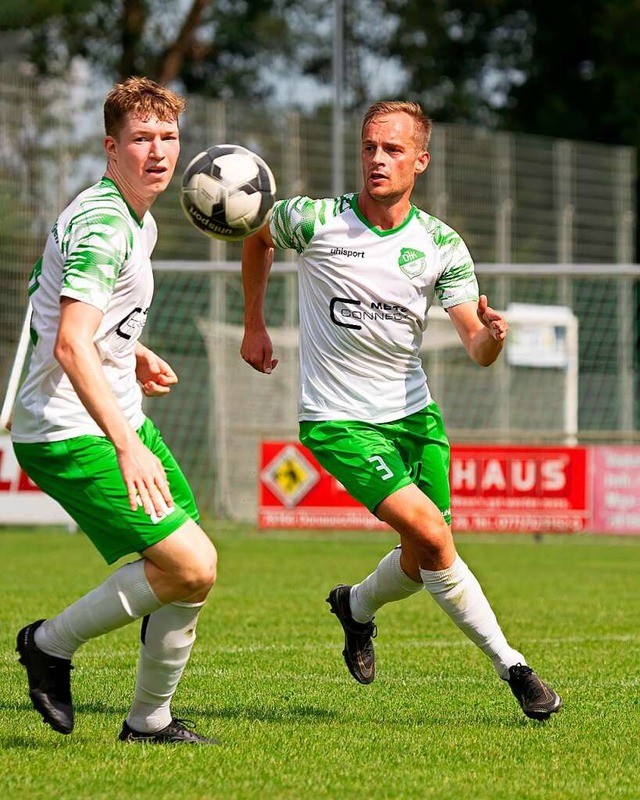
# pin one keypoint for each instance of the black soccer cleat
(178, 731)
(358, 650)
(537, 700)
(49, 680)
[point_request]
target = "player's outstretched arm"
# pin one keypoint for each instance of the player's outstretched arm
(481, 329)
(257, 258)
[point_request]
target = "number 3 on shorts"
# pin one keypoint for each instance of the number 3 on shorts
(381, 467)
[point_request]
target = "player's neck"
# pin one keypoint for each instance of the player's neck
(136, 202)
(384, 214)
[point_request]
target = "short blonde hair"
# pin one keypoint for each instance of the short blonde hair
(422, 125)
(145, 98)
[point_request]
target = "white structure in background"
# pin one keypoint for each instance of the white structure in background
(22, 503)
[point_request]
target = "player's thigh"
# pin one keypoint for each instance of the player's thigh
(423, 441)
(179, 486)
(363, 457)
(408, 509)
(82, 474)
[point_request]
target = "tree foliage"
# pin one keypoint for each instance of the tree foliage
(561, 69)
(460, 58)
(557, 68)
(204, 44)
(582, 79)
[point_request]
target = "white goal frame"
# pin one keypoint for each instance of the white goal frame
(16, 372)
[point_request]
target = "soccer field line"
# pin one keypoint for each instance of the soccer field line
(408, 644)
(443, 644)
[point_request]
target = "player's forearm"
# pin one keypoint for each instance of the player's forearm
(141, 351)
(82, 365)
(255, 277)
(484, 349)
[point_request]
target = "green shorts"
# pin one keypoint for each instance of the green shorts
(83, 475)
(373, 460)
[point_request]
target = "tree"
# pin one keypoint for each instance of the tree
(564, 69)
(461, 59)
(207, 46)
(561, 69)
(582, 79)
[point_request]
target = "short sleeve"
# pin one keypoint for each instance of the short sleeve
(95, 245)
(457, 282)
(295, 221)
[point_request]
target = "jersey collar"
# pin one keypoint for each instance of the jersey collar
(372, 228)
(139, 222)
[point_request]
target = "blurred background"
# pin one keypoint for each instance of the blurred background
(534, 163)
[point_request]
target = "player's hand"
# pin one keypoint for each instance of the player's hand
(492, 320)
(145, 479)
(257, 350)
(153, 373)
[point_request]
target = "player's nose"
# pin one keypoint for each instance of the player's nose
(157, 148)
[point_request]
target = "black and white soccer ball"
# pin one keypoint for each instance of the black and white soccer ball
(227, 192)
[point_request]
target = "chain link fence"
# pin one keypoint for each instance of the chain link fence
(554, 218)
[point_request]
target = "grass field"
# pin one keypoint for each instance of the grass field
(268, 679)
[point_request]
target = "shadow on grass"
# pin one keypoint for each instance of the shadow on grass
(284, 713)
(31, 742)
(464, 716)
(287, 712)
(90, 707)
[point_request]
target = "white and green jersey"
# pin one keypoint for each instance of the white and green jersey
(98, 252)
(364, 296)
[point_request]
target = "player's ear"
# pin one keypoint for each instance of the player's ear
(109, 145)
(422, 162)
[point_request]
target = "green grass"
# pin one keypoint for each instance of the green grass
(267, 678)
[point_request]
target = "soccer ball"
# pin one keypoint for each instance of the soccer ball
(227, 192)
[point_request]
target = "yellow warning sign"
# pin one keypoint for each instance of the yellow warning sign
(290, 476)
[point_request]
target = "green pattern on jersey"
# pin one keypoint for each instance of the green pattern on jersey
(454, 256)
(34, 278)
(96, 242)
(310, 214)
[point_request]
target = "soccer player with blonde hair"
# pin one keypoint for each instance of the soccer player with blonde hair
(369, 266)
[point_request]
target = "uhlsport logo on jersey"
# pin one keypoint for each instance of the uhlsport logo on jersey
(412, 262)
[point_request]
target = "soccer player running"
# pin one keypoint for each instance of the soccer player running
(80, 433)
(369, 266)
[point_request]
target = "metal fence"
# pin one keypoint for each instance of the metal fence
(574, 385)
(516, 199)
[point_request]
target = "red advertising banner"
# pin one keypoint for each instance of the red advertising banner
(519, 489)
(296, 492)
(510, 488)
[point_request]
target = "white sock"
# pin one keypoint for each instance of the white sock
(388, 583)
(125, 595)
(458, 593)
(167, 638)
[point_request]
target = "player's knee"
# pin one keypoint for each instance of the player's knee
(210, 569)
(429, 534)
(193, 570)
(201, 573)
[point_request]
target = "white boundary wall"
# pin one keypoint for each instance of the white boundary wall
(21, 503)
